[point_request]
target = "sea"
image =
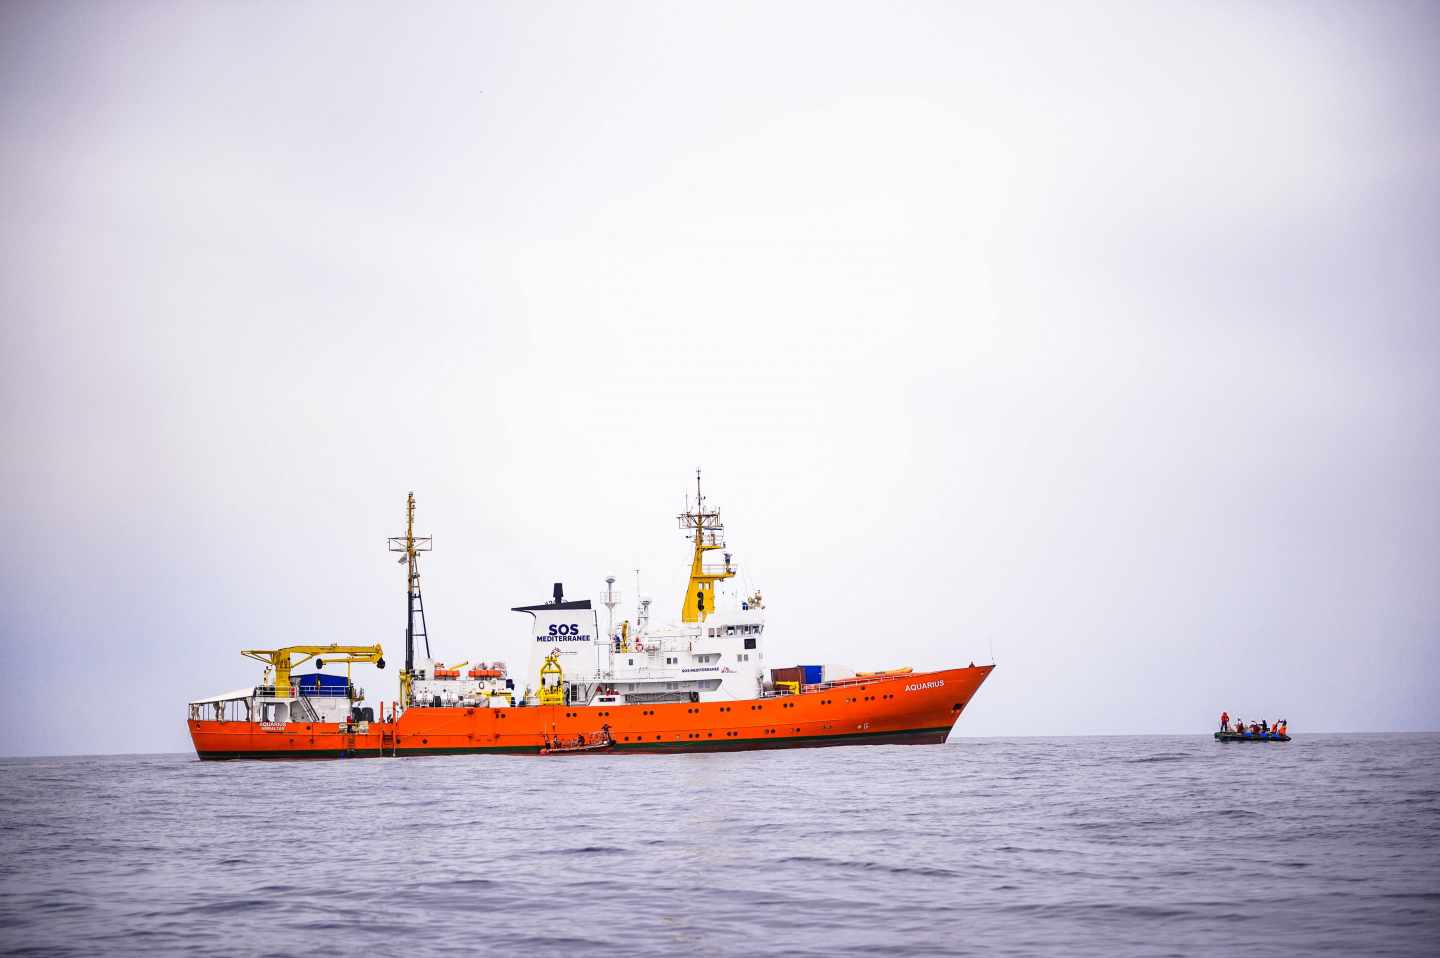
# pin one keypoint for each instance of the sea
(1137, 845)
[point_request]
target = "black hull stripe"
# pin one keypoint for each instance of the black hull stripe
(1237, 739)
(920, 736)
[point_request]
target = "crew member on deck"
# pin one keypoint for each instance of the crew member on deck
(1224, 721)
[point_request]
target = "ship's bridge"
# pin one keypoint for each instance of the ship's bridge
(714, 653)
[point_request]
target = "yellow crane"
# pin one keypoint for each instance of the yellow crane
(552, 692)
(293, 656)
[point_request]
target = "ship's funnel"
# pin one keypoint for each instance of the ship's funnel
(570, 631)
(559, 592)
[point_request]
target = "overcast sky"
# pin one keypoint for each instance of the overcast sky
(1101, 339)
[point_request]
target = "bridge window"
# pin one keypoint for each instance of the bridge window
(749, 643)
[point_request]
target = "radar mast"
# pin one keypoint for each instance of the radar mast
(707, 532)
(414, 603)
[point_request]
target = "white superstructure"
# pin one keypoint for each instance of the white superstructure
(715, 653)
(718, 659)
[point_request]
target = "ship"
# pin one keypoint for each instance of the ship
(695, 685)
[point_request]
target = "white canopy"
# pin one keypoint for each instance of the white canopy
(244, 693)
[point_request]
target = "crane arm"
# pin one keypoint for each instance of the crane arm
(293, 656)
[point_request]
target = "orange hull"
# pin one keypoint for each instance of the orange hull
(917, 708)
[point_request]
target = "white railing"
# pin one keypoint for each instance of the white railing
(268, 691)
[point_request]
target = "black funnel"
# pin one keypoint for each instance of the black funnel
(559, 592)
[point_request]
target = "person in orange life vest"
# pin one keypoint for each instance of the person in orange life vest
(1224, 721)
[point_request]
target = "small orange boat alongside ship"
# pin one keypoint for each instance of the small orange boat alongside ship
(697, 685)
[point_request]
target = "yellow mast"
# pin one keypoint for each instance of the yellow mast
(707, 533)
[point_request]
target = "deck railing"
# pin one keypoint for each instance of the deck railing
(317, 692)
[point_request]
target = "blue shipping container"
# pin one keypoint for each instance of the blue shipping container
(813, 674)
(316, 683)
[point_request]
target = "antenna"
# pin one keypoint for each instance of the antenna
(412, 546)
(611, 599)
(642, 607)
(706, 531)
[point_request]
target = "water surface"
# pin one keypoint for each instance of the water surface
(1103, 846)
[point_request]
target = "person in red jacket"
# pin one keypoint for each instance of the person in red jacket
(1224, 721)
